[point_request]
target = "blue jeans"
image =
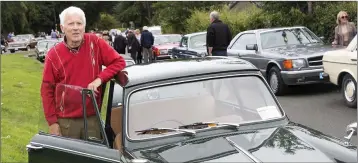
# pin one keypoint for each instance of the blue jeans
(219, 53)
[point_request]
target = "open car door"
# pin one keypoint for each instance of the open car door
(46, 148)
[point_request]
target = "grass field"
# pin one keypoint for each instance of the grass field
(21, 107)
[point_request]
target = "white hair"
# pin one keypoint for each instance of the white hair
(145, 28)
(214, 15)
(70, 11)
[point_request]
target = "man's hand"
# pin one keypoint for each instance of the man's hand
(55, 129)
(95, 84)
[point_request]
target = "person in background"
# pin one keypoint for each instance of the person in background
(53, 34)
(133, 45)
(70, 66)
(345, 31)
(105, 36)
(139, 54)
(120, 43)
(218, 36)
(147, 41)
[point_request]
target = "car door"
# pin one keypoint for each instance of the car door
(183, 46)
(238, 48)
(45, 148)
(196, 45)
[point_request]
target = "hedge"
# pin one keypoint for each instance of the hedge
(322, 22)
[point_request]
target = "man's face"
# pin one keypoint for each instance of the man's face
(73, 27)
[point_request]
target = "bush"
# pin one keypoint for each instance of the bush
(322, 22)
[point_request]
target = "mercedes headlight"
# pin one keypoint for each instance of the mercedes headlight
(163, 51)
(294, 63)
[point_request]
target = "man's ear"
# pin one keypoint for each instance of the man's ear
(62, 28)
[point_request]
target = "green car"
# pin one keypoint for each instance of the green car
(212, 109)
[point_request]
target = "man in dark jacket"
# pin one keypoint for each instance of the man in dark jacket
(147, 41)
(218, 36)
(120, 43)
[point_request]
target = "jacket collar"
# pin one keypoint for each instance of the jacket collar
(216, 21)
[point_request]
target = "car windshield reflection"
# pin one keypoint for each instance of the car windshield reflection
(226, 100)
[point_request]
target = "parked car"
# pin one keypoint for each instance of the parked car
(22, 42)
(286, 56)
(43, 47)
(341, 68)
(191, 46)
(155, 30)
(163, 45)
(217, 109)
(3, 49)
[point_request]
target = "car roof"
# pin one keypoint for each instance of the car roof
(272, 29)
(194, 34)
(169, 69)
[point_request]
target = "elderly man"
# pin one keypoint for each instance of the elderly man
(147, 41)
(69, 67)
(218, 36)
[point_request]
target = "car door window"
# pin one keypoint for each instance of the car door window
(198, 41)
(184, 42)
(243, 40)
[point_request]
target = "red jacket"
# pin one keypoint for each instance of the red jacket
(66, 73)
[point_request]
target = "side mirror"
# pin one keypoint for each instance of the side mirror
(251, 47)
(351, 131)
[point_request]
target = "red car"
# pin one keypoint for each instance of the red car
(163, 45)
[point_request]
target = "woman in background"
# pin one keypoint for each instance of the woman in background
(133, 45)
(139, 54)
(345, 31)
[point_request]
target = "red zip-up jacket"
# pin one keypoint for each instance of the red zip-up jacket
(66, 72)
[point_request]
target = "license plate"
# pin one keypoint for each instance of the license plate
(321, 75)
(16, 49)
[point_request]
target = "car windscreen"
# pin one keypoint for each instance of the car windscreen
(228, 100)
(166, 39)
(42, 44)
(278, 38)
(51, 44)
(21, 38)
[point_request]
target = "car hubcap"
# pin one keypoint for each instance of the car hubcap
(349, 91)
(274, 82)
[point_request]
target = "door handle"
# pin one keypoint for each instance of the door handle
(31, 147)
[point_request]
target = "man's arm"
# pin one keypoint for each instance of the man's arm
(48, 91)
(210, 39)
(111, 59)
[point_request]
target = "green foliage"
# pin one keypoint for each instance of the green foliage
(106, 22)
(276, 14)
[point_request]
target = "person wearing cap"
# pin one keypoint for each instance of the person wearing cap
(147, 41)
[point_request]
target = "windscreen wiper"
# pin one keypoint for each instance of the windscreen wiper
(156, 131)
(201, 125)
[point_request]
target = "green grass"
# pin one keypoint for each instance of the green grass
(21, 108)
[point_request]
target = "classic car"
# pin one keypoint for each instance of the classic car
(43, 46)
(217, 109)
(3, 49)
(341, 68)
(191, 46)
(22, 42)
(163, 45)
(286, 56)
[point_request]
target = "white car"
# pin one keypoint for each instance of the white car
(341, 67)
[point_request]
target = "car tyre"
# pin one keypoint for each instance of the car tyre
(12, 51)
(275, 81)
(349, 91)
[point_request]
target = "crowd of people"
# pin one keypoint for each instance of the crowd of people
(138, 44)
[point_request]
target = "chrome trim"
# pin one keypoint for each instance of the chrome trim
(258, 74)
(302, 71)
(77, 152)
(248, 154)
